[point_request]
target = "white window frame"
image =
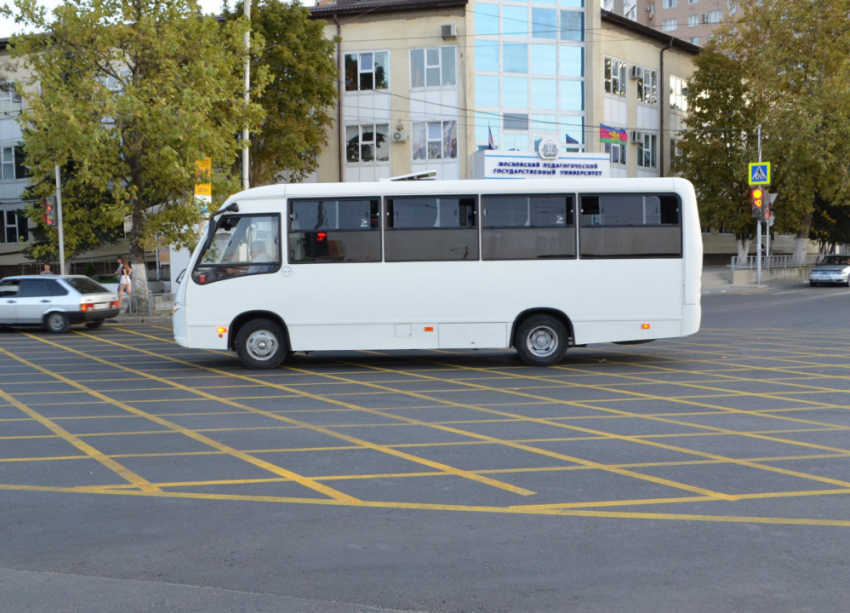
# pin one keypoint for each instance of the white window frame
(669, 4)
(615, 74)
(359, 55)
(648, 148)
(426, 66)
(366, 127)
(446, 152)
(669, 25)
(10, 98)
(617, 153)
(647, 87)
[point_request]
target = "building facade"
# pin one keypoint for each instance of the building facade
(690, 20)
(424, 85)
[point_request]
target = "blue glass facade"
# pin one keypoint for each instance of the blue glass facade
(529, 72)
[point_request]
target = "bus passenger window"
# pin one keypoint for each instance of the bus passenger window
(432, 228)
(331, 230)
(630, 226)
(525, 227)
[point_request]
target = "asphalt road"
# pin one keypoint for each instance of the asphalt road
(704, 474)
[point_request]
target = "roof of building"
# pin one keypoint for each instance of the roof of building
(634, 26)
(381, 6)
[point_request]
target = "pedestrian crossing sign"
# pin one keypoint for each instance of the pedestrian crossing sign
(760, 173)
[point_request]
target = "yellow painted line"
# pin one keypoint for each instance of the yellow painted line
(185, 431)
(791, 521)
(95, 454)
(644, 441)
(466, 433)
(362, 443)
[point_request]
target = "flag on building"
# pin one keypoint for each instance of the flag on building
(491, 144)
(571, 140)
(612, 135)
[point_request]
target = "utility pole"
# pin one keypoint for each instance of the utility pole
(246, 136)
(59, 222)
(758, 226)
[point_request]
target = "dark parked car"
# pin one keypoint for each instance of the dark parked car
(832, 269)
(55, 302)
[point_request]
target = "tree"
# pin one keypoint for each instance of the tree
(300, 93)
(719, 143)
(796, 57)
(132, 93)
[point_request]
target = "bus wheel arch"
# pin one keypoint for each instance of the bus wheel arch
(542, 336)
(260, 339)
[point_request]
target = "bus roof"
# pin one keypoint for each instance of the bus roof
(458, 187)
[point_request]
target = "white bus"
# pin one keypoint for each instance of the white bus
(534, 265)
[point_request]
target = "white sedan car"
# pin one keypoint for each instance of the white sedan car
(832, 269)
(55, 302)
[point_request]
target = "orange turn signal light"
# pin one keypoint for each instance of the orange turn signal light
(429, 328)
(645, 326)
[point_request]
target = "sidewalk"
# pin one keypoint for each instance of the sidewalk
(717, 280)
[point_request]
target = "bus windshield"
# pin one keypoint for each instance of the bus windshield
(241, 245)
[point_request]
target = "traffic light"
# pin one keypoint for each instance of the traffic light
(48, 214)
(757, 199)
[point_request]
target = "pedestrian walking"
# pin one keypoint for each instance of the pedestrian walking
(45, 270)
(123, 274)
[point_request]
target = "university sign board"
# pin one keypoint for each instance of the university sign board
(550, 163)
(759, 173)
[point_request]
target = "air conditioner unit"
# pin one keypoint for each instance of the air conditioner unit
(399, 136)
(637, 72)
(705, 18)
(448, 30)
(637, 137)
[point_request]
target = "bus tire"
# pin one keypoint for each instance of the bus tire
(541, 340)
(261, 344)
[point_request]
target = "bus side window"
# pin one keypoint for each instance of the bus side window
(431, 228)
(630, 226)
(334, 230)
(527, 227)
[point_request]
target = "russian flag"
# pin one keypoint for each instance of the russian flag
(491, 144)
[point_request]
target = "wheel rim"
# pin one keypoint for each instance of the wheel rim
(542, 341)
(261, 345)
(55, 322)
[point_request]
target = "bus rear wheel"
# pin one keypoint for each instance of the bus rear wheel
(541, 340)
(261, 344)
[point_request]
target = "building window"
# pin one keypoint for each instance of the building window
(434, 67)
(647, 151)
(544, 23)
(694, 40)
(434, 140)
(715, 16)
(617, 151)
(670, 25)
(572, 25)
(366, 71)
(669, 4)
(12, 164)
(13, 227)
(615, 77)
(367, 143)
(647, 87)
(10, 98)
(692, 1)
(693, 21)
(678, 94)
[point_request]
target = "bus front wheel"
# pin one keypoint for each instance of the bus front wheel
(261, 344)
(541, 340)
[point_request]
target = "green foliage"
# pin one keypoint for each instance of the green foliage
(300, 93)
(132, 93)
(793, 58)
(721, 140)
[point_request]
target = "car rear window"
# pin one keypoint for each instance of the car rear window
(84, 285)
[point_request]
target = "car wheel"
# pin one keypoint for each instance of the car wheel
(541, 340)
(261, 344)
(94, 325)
(57, 323)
